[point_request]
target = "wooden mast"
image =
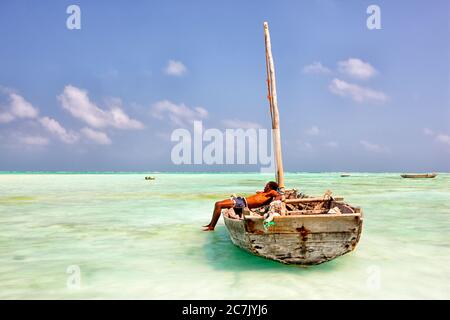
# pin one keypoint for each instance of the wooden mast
(272, 88)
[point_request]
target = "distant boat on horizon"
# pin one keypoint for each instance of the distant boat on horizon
(419, 175)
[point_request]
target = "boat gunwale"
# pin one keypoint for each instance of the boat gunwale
(323, 215)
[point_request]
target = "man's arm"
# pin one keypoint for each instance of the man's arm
(275, 195)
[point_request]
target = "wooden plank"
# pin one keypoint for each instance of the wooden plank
(317, 199)
(308, 212)
(238, 235)
(306, 200)
(307, 223)
(291, 248)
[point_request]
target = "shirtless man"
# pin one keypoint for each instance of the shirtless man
(257, 200)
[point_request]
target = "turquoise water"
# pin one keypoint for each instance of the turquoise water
(132, 238)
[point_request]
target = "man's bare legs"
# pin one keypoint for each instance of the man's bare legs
(225, 204)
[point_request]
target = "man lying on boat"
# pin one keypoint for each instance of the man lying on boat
(270, 193)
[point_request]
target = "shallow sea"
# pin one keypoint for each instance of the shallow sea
(104, 236)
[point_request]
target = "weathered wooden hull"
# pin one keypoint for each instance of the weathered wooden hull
(419, 176)
(299, 239)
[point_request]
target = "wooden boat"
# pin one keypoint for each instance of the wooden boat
(304, 235)
(309, 230)
(419, 176)
(150, 178)
(344, 175)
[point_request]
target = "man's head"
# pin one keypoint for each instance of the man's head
(272, 185)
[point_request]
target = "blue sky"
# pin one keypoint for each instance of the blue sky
(108, 96)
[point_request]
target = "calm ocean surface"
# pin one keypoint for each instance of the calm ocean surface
(133, 238)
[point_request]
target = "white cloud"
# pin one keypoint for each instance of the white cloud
(96, 136)
(428, 132)
(313, 131)
(77, 102)
(34, 140)
(332, 144)
(443, 138)
(239, 124)
(372, 147)
(175, 68)
(6, 117)
(21, 108)
(357, 93)
(55, 128)
(316, 68)
(439, 137)
(357, 68)
(17, 107)
(121, 120)
(178, 114)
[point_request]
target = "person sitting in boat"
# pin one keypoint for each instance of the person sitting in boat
(271, 192)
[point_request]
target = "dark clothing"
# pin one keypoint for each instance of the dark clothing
(239, 202)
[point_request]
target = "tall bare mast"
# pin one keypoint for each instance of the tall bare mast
(272, 88)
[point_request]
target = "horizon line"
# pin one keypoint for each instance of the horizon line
(194, 172)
